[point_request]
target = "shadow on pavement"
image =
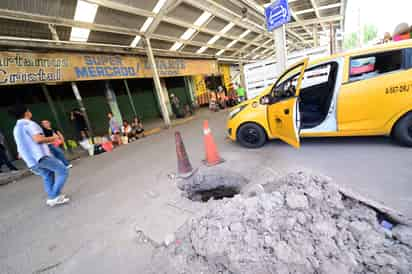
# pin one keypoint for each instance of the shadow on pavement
(343, 141)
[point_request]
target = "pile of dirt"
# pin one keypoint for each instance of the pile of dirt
(301, 224)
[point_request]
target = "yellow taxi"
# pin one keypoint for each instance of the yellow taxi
(360, 93)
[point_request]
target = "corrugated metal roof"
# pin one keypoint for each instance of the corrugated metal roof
(24, 29)
(60, 8)
(117, 18)
(109, 38)
(114, 18)
(186, 12)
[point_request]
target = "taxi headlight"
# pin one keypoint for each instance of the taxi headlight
(234, 112)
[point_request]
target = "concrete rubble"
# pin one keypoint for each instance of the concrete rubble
(300, 223)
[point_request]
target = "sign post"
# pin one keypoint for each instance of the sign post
(277, 15)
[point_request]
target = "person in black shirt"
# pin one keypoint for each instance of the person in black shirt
(79, 123)
(55, 147)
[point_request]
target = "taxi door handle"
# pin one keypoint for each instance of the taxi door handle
(286, 111)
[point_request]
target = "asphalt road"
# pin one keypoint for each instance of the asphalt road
(115, 194)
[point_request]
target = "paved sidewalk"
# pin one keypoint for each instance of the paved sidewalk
(151, 127)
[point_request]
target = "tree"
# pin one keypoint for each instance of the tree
(370, 32)
(351, 41)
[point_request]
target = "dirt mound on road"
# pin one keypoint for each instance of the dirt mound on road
(303, 224)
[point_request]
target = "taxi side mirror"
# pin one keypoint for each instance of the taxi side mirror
(265, 100)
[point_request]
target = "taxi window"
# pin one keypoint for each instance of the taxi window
(316, 75)
(369, 66)
(407, 60)
(286, 85)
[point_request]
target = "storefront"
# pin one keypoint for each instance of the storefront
(204, 84)
(122, 84)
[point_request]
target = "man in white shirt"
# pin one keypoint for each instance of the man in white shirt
(32, 148)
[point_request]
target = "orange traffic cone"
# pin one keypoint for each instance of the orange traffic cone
(184, 168)
(212, 156)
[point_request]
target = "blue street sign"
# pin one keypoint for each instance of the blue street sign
(277, 14)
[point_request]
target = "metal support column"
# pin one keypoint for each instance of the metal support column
(130, 97)
(331, 39)
(189, 86)
(52, 107)
(112, 102)
(280, 44)
(315, 36)
(165, 92)
(242, 75)
(82, 108)
(158, 86)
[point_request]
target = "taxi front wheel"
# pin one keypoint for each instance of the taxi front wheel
(403, 131)
(251, 135)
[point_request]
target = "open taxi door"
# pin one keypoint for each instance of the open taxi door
(283, 109)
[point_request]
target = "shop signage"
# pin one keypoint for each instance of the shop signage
(29, 68)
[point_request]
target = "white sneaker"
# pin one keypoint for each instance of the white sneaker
(69, 166)
(59, 200)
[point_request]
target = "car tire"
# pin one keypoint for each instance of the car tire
(402, 132)
(251, 135)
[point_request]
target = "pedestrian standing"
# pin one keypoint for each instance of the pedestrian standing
(241, 93)
(4, 159)
(55, 146)
(176, 106)
(32, 148)
(114, 127)
(79, 123)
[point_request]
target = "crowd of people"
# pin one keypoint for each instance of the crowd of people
(222, 98)
(126, 132)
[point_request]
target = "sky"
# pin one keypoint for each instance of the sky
(384, 14)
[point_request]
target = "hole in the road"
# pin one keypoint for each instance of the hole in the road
(216, 193)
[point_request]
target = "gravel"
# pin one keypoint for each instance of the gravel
(301, 223)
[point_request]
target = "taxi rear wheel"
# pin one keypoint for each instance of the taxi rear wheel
(251, 135)
(403, 131)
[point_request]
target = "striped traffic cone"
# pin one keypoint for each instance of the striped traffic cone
(184, 168)
(212, 155)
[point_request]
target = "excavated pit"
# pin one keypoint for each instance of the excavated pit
(218, 193)
(297, 223)
(214, 183)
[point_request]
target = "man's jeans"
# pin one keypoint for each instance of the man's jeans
(58, 153)
(54, 175)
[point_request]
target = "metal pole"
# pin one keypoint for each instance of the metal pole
(332, 37)
(315, 36)
(52, 107)
(130, 97)
(82, 108)
(189, 85)
(280, 43)
(158, 86)
(242, 75)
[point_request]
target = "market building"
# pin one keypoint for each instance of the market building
(128, 57)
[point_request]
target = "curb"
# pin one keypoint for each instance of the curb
(23, 173)
(15, 176)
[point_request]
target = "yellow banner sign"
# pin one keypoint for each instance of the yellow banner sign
(29, 68)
